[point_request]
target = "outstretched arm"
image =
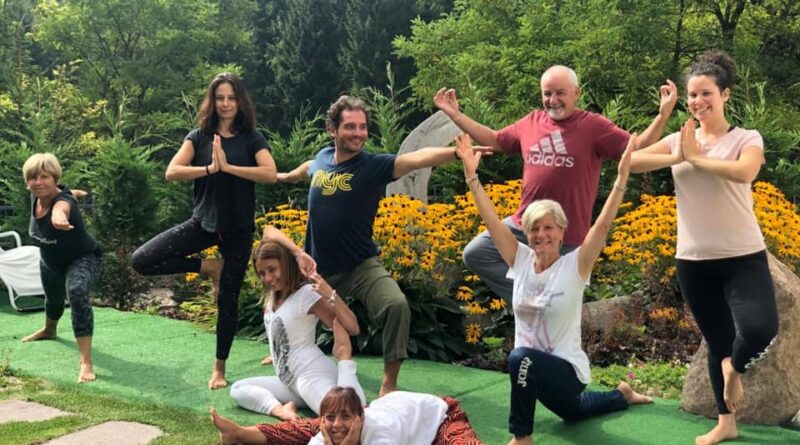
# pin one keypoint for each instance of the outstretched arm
(669, 97)
(596, 237)
(307, 264)
(428, 157)
(59, 217)
(742, 170)
(654, 157)
(447, 101)
(298, 174)
(503, 239)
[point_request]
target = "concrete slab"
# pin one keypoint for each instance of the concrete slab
(118, 433)
(22, 411)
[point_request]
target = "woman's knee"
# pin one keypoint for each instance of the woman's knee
(139, 261)
(519, 358)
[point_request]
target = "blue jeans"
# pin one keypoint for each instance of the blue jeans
(537, 375)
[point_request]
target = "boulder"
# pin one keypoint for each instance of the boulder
(436, 131)
(772, 387)
(603, 315)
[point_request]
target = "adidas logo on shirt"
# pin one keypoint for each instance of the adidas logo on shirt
(550, 152)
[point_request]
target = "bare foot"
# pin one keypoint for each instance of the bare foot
(227, 428)
(524, 440)
(217, 380)
(287, 411)
(212, 267)
(631, 396)
(41, 334)
(87, 373)
(725, 430)
(342, 348)
(733, 392)
(267, 360)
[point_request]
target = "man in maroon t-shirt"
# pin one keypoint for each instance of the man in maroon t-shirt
(563, 148)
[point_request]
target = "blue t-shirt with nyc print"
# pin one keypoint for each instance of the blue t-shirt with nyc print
(342, 203)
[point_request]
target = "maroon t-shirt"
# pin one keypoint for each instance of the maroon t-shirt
(562, 162)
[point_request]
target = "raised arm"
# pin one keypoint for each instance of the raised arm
(447, 101)
(307, 264)
(503, 239)
(669, 97)
(595, 239)
(428, 157)
(742, 170)
(298, 174)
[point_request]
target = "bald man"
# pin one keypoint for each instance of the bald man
(563, 148)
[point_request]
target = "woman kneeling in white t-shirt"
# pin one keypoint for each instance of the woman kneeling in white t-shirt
(291, 312)
(547, 363)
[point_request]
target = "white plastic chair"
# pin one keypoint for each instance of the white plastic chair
(19, 270)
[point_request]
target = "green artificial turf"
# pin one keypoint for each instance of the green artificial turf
(151, 360)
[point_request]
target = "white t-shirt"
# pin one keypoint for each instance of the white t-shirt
(715, 215)
(547, 307)
(400, 418)
(292, 333)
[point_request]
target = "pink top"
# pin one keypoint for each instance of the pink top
(715, 215)
(562, 162)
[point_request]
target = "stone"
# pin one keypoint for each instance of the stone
(436, 131)
(22, 411)
(117, 433)
(603, 315)
(772, 387)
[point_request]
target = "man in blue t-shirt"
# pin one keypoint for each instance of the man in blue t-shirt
(347, 184)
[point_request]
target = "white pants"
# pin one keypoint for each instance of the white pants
(263, 394)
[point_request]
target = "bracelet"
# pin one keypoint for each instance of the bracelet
(455, 153)
(207, 172)
(332, 298)
(472, 178)
(620, 188)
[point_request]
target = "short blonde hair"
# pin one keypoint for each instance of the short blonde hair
(538, 209)
(41, 162)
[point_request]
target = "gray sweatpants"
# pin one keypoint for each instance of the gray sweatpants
(72, 283)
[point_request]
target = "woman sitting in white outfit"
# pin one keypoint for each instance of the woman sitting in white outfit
(291, 312)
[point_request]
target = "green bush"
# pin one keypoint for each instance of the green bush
(659, 379)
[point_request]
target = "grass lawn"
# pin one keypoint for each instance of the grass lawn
(181, 426)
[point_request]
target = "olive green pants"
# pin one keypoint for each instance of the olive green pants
(386, 304)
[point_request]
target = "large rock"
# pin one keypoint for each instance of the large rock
(603, 315)
(436, 131)
(772, 387)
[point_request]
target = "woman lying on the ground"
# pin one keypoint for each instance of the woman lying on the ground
(547, 363)
(292, 310)
(398, 418)
(70, 256)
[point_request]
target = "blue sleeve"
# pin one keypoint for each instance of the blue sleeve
(383, 167)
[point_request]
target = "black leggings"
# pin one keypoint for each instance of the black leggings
(73, 283)
(733, 302)
(169, 252)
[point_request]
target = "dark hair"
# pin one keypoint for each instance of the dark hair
(339, 398)
(715, 63)
(291, 277)
(245, 119)
(343, 103)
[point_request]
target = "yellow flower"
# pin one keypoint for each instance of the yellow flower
(472, 333)
(475, 308)
(464, 293)
(497, 304)
(191, 276)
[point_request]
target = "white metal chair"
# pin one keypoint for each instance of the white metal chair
(19, 271)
